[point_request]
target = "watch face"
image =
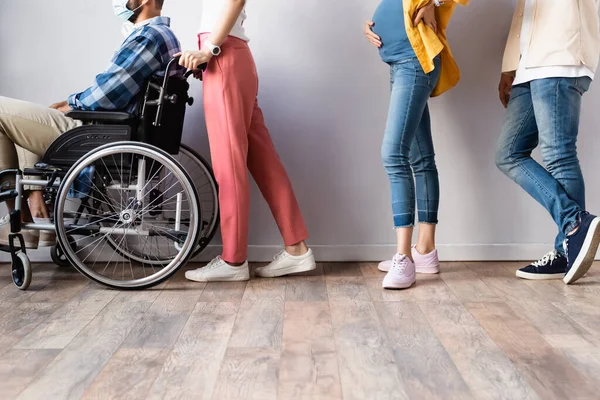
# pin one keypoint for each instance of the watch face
(216, 51)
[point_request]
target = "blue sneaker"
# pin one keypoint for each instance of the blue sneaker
(552, 266)
(581, 247)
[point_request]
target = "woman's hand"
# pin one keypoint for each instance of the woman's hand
(427, 15)
(192, 59)
(370, 35)
(504, 88)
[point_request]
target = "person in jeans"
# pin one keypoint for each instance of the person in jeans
(240, 142)
(27, 129)
(410, 36)
(549, 63)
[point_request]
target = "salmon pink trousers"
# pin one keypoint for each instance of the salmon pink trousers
(240, 142)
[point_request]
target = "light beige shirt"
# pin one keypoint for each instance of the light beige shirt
(563, 33)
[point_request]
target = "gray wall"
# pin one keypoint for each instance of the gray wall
(325, 95)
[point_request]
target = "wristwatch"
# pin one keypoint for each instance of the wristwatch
(214, 50)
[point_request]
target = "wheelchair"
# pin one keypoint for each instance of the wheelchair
(131, 204)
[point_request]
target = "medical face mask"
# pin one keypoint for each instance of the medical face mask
(120, 9)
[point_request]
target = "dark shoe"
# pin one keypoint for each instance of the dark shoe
(581, 247)
(552, 266)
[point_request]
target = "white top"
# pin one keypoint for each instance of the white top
(525, 75)
(212, 11)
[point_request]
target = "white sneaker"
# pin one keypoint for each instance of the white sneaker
(219, 271)
(284, 264)
(402, 274)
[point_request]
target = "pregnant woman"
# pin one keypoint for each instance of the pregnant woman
(410, 36)
(240, 141)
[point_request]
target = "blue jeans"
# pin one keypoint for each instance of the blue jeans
(546, 112)
(407, 151)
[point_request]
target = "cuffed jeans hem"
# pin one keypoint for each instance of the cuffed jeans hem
(406, 220)
(429, 222)
(404, 226)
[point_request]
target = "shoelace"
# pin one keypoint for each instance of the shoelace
(399, 265)
(566, 248)
(280, 255)
(550, 257)
(215, 261)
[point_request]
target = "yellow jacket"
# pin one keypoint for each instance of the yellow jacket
(427, 44)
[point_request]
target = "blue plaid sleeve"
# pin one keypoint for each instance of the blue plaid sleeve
(115, 88)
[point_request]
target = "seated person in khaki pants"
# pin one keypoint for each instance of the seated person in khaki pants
(27, 130)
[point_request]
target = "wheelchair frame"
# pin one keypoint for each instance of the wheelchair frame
(158, 96)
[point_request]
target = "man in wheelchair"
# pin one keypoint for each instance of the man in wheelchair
(27, 129)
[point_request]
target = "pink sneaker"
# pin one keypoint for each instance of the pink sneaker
(425, 263)
(401, 275)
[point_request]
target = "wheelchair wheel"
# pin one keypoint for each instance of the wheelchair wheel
(21, 271)
(203, 180)
(58, 254)
(138, 196)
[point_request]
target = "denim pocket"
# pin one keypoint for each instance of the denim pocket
(582, 84)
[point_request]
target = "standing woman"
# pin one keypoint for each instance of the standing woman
(410, 36)
(240, 141)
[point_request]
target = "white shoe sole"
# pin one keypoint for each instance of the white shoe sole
(215, 279)
(398, 286)
(538, 277)
(296, 269)
(431, 270)
(586, 256)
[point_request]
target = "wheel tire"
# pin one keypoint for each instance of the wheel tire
(58, 256)
(139, 148)
(21, 271)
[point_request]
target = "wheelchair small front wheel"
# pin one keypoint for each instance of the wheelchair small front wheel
(58, 254)
(21, 271)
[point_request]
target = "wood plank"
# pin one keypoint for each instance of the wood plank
(306, 288)
(74, 369)
(162, 323)
(248, 374)
(342, 269)
(65, 323)
(368, 368)
(347, 288)
(370, 270)
(128, 375)
(19, 367)
(308, 365)
(197, 355)
(378, 293)
(260, 317)
(229, 292)
(546, 370)
(587, 362)
(432, 289)
(426, 369)
(484, 367)
(465, 284)
(552, 323)
(22, 320)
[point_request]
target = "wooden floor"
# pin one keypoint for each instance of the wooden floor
(474, 331)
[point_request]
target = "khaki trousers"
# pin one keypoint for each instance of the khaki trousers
(27, 130)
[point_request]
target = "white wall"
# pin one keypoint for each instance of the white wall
(325, 95)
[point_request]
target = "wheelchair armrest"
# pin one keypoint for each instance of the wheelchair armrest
(100, 116)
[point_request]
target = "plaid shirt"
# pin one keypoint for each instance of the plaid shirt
(146, 52)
